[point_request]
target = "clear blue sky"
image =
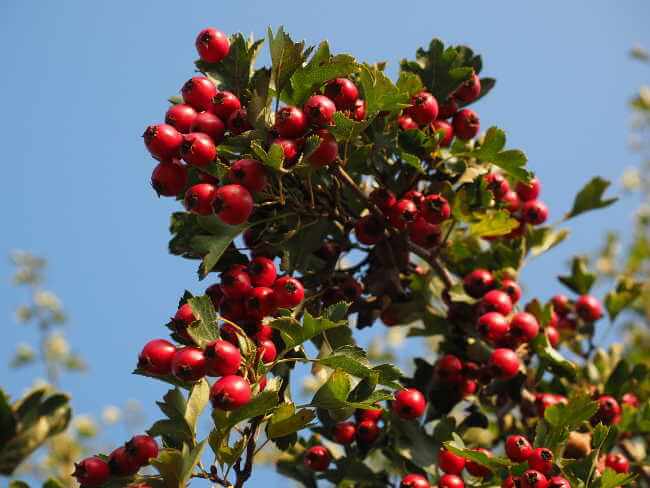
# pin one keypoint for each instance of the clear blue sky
(82, 79)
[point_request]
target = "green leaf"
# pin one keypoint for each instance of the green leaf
(579, 409)
(353, 360)
(215, 244)
(190, 460)
(591, 197)
(169, 464)
(512, 162)
(493, 144)
(7, 418)
(196, 403)
(259, 405)
(542, 239)
(409, 83)
(346, 129)
(53, 483)
(623, 295)
(274, 158)
(18, 484)
(551, 359)
(612, 479)
(494, 464)
(176, 429)
(294, 334)
(286, 57)
(492, 223)
(581, 279)
(204, 329)
(334, 393)
(379, 91)
(413, 443)
(286, 420)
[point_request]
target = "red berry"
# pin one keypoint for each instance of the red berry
(367, 432)
(497, 184)
(493, 326)
(435, 209)
(511, 482)
(533, 479)
(528, 191)
(266, 351)
(221, 358)
(289, 149)
(208, 123)
(198, 149)
(476, 469)
(230, 392)
(238, 122)
(466, 124)
(199, 198)
(236, 282)
(558, 482)
(512, 289)
(588, 308)
(409, 403)
(163, 141)
(91, 472)
(609, 411)
(359, 110)
(524, 326)
(326, 152)
(447, 109)
(289, 292)
(188, 364)
(317, 458)
(450, 481)
(262, 271)
(449, 462)
(630, 399)
(260, 303)
(389, 317)
(212, 45)
(553, 336)
(496, 301)
(224, 104)
(534, 212)
(406, 123)
(446, 129)
(248, 173)
(156, 357)
(215, 294)
(545, 400)
(561, 305)
(403, 213)
(344, 433)
(169, 178)
(373, 414)
(511, 202)
(478, 283)
(518, 448)
(505, 362)
(262, 332)
(416, 196)
(290, 122)
(369, 230)
(424, 108)
(343, 92)
(122, 463)
(617, 462)
(541, 459)
(319, 110)
(233, 204)
(199, 92)
(184, 315)
(181, 117)
(469, 90)
(424, 234)
(142, 448)
(383, 198)
(351, 288)
(414, 480)
(449, 368)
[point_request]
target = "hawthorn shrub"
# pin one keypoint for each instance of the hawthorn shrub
(320, 196)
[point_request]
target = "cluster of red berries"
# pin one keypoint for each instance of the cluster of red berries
(567, 314)
(364, 430)
(122, 462)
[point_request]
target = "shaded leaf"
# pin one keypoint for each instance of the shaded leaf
(623, 295)
(204, 329)
(492, 223)
(590, 197)
(581, 279)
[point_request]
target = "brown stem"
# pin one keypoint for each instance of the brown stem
(344, 177)
(243, 474)
(431, 259)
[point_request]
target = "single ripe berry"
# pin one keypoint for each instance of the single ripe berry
(383, 198)
(369, 230)
(469, 90)
(534, 212)
(200, 197)
(181, 116)
(317, 458)
(524, 326)
(230, 392)
(260, 302)
(236, 282)
(409, 403)
(558, 482)
(449, 462)
(553, 336)
(249, 173)
(359, 110)
(406, 123)
(512, 289)
(424, 234)
(142, 448)
(449, 368)
(423, 109)
(416, 196)
(373, 414)
(344, 433)
(367, 432)
(476, 469)
(262, 332)
(233, 204)
(617, 462)
(198, 149)
(156, 357)
(238, 122)
(188, 364)
(169, 178)
(319, 110)
(163, 141)
(403, 213)
(497, 184)
(288, 291)
(326, 152)
(224, 104)
(122, 463)
(445, 129)
(561, 305)
(493, 326)
(91, 472)
(518, 448)
(414, 480)
(466, 124)
(266, 351)
(478, 283)
(262, 271)
(450, 481)
(221, 358)
(496, 301)
(290, 122)
(435, 209)
(208, 123)
(505, 362)
(528, 191)
(541, 459)
(588, 308)
(184, 314)
(511, 202)
(289, 149)
(533, 479)
(448, 108)
(609, 411)
(343, 92)
(212, 45)
(198, 92)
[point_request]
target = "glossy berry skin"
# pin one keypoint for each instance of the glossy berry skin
(233, 204)
(198, 149)
(588, 308)
(518, 448)
(476, 469)
(221, 358)
(558, 482)
(496, 301)
(359, 110)
(163, 141)
(224, 104)
(367, 432)
(369, 230)
(512, 289)
(373, 414)
(266, 351)
(342, 92)
(450, 463)
(156, 357)
(505, 362)
(406, 123)
(414, 480)
(122, 463)
(142, 448)
(184, 315)
(326, 152)
(449, 368)
(466, 124)
(200, 197)
(533, 479)
(383, 198)
(609, 411)
(478, 283)
(630, 399)
(497, 184)
(230, 392)
(290, 122)
(238, 122)
(262, 271)
(423, 109)
(403, 213)
(617, 462)
(493, 326)
(435, 209)
(181, 116)
(524, 326)
(319, 110)
(344, 433)
(469, 90)
(541, 459)
(511, 482)
(424, 234)
(169, 178)
(212, 45)
(416, 196)
(545, 400)
(534, 212)
(528, 191)
(409, 403)
(289, 149)
(446, 129)
(188, 364)
(236, 282)
(447, 109)
(288, 291)
(317, 458)
(198, 92)
(511, 202)
(91, 472)
(260, 303)
(211, 125)
(450, 481)
(553, 336)
(249, 173)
